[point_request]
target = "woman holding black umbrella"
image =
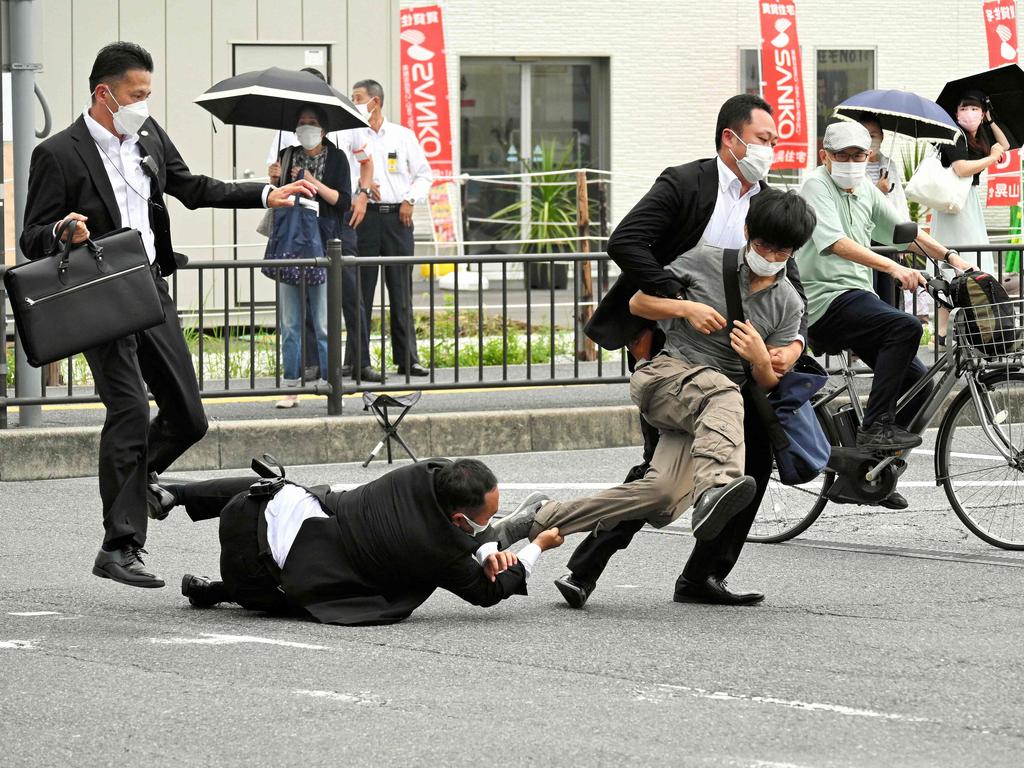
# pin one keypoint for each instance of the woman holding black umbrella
(326, 167)
(984, 147)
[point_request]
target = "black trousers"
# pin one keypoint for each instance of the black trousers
(246, 577)
(132, 446)
(715, 557)
(383, 234)
(886, 339)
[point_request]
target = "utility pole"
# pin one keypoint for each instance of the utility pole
(24, 65)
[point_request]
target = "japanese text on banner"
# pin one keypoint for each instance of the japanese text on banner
(783, 82)
(1001, 32)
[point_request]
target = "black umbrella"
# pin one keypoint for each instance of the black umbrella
(272, 98)
(1004, 87)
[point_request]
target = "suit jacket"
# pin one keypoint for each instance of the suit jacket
(668, 221)
(383, 550)
(67, 174)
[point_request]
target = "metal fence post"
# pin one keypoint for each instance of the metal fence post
(334, 313)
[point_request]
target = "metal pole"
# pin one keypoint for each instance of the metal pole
(27, 380)
(334, 299)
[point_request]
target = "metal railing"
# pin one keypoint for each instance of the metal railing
(530, 342)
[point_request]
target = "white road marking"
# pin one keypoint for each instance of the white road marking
(811, 706)
(17, 645)
(348, 698)
(627, 586)
(958, 455)
(215, 639)
(33, 613)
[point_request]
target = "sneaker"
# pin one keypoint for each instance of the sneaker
(288, 401)
(885, 436)
(718, 505)
(516, 525)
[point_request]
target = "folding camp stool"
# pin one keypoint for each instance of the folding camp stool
(378, 404)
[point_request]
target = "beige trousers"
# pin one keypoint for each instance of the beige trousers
(699, 414)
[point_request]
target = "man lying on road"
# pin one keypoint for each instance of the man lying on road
(371, 555)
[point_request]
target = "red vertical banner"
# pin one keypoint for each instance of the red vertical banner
(1001, 33)
(783, 79)
(425, 109)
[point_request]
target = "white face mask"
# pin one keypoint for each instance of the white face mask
(309, 136)
(475, 526)
(756, 163)
(760, 266)
(129, 118)
(848, 175)
(364, 109)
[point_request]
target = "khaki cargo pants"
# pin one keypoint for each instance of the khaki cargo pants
(699, 413)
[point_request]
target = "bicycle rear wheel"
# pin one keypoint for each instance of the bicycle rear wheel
(786, 511)
(985, 489)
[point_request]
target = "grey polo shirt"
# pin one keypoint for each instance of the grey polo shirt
(775, 312)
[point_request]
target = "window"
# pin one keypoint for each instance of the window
(839, 75)
(512, 111)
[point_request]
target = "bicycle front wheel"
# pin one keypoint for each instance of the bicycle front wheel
(985, 489)
(786, 511)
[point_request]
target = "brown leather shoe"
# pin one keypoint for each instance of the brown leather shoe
(713, 591)
(125, 566)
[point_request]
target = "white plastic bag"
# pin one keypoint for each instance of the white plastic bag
(937, 187)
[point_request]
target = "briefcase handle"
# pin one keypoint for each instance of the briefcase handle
(62, 265)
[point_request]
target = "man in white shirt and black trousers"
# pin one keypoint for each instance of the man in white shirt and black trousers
(370, 555)
(402, 178)
(110, 169)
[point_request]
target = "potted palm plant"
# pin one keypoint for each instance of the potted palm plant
(548, 215)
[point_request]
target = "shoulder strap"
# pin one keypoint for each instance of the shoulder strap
(731, 281)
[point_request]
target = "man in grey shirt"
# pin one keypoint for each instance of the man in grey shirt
(691, 391)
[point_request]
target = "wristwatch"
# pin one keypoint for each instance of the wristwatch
(364, 190)
(410, 200)
(950, 252)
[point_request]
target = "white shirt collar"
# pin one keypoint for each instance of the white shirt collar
(102, 136)
(729, 183)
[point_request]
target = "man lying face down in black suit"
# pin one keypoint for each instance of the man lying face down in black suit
(371, 555)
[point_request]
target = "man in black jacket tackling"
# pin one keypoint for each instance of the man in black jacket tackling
(108, 170)
(371, 555)
(704, 202)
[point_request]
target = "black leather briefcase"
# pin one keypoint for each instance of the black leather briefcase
(81, 296)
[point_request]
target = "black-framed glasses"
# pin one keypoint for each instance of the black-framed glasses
(856, 157)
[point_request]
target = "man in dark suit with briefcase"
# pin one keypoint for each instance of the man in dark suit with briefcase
(701, 202)
(110, 169)
(370, 555)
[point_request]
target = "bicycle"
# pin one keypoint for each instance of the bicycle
(979, 448)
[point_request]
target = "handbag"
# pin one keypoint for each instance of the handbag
(296, 235)
(937, 187)
(78, 297)
(798, 442)
(266, 225)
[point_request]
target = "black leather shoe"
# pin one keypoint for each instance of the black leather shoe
(370, 374)
(125, 566)
(199, 591)
(574, 592)
(717, 506)
(159, 501)
(414, 370)
(713, 591)
(346, 370)
(894, 501)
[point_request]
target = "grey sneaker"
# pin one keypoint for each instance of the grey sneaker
(717, 506)
(516, 525)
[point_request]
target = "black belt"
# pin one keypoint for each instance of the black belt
(384, 207)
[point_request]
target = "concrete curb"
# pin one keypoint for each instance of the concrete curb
(42, 454)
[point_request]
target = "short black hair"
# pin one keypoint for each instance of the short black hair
(373, 88)
(317, 110)
(115, 60)
(315, 72)
(463, 485)
(780, 219)
(869, 117)
(736, 112)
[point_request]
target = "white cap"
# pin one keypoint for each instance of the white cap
(843, 134)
